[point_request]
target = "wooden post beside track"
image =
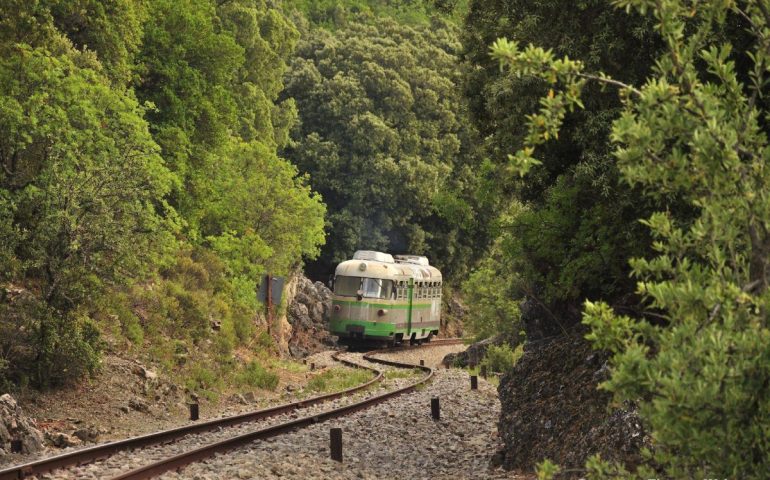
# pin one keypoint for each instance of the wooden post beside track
(435, 409)
(194, 411)
(335, 444)
(474, 382)
(269, 304)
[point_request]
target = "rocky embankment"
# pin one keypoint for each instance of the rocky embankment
(551, 408)
(16, 426)
(308, 317)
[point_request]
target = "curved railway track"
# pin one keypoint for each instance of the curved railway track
(101, 452)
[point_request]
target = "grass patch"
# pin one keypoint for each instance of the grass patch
(204, 382)
(338, 378)
(255, 375)
(402, 373)
(289, 366)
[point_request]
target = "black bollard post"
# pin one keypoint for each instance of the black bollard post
(474, 382)
(422, 363)
(335, 444)
(16, 446)
(483, 371)
(194, 411)
(434, 408)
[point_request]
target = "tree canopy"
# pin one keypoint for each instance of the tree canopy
(383, 136)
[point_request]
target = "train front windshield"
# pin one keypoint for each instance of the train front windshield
(347, 286)
(370, 287)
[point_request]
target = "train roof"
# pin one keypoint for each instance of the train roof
(371, 264)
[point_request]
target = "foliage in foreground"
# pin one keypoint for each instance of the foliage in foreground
(579, 227)
(695, 130)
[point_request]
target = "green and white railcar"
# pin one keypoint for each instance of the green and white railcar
(381, 298)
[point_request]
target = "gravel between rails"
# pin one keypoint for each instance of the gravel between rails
(127, 460)
(395, 439)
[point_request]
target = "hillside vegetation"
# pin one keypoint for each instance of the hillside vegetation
(141, 192)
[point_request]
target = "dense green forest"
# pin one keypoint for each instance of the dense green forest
(159, 157)
(595, 164)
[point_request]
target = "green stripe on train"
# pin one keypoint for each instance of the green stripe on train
(364, 303)
(375, 328)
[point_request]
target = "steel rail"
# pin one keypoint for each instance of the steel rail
(98, 452)
(178, 461)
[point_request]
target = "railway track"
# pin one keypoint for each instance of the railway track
(100, 452)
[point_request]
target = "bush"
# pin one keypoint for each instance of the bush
(255, 375)
(203, 381)
(501, 358)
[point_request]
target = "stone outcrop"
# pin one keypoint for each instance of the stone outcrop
(551, 408)
(308, 317)
(473, 355)
(14, 425)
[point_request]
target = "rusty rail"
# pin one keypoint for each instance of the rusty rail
(91, 454)
(178, 461)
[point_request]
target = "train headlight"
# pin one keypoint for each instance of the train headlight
(381, 312)
(337, 308)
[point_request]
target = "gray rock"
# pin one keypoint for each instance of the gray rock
(138, 405)
(62, 440)
(90, 434)
(473, 355)
(298, 352)
(15, 425)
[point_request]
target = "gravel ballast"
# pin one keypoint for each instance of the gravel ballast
(395, 439)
